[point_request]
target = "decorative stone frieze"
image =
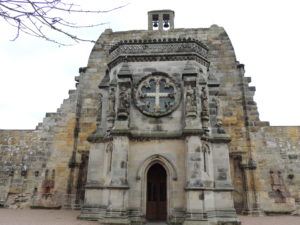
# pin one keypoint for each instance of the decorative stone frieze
(184, 43)
(158, 50)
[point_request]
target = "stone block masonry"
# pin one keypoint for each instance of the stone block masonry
(57, 165)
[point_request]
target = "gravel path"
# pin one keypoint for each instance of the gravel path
(41, 217)
(68, 217)
(270, 220)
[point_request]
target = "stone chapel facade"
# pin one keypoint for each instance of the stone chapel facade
(162, 126)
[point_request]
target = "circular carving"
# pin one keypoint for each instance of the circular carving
(157, 95)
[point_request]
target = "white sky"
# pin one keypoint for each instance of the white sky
(36, 75)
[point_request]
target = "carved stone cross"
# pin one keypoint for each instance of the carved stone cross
(157, 95)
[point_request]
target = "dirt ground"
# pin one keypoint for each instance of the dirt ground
(270, 220)
(68, 217)
(41, 217)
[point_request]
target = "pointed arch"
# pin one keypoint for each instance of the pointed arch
(109, 150)
(206, 152)
(157, 158)
(156, 192)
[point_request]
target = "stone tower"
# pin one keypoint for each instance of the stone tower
(159, 151)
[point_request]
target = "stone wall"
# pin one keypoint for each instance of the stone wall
(277, 150)
(59, 144)
(21, 157)
(34, 163)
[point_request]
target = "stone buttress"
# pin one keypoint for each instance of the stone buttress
(162, 100)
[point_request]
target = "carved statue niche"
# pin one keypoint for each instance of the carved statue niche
(124, 103)
(279, 191)
(204, 102)
(204, 106)
(99, 109)
(219, 123)
(48, 184)
(191, 101)
(109, 151)
(111, 104)
(206, 153)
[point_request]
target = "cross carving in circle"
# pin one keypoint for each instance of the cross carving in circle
(157, 95)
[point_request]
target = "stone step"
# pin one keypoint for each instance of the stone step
(156, 223)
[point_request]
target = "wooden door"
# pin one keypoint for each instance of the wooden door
(156, 193)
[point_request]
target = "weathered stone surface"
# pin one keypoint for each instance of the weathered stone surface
(47, 167)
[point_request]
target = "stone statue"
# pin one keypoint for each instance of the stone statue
(220, 129)
(191, 105)
(111, 104)
(273, 178)
(219, 123)
(280, 178)
(204, 102)
(217, 106)
(111, 107)
(123, 107)
(99, 108)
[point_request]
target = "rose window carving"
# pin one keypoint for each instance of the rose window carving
(157, 95)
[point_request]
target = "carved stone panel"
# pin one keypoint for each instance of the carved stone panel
(124, 102)
(204, 102)
(279, 191)
(191, 102)
(218, 115)
(111, 104)
(205, 108)
(99, 109)
(157, 95)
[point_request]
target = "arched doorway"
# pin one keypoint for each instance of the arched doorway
(156, 193)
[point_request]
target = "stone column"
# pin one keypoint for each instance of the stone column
(117, 189)
(123, 100)
(150, 24)
(94, 203)
(160, 22)
(195, 203)
(110, 112)
(251, 206)
(172, 16)
(192, 121)
(249, 166)
(224, 211)
(204, 109)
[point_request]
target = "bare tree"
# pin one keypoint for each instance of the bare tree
(38, 17)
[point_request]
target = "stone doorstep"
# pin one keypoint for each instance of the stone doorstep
(115, 221)
(156, 223)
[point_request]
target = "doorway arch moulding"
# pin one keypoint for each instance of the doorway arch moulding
(162, 160)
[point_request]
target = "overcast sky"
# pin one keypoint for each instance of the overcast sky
(36, 75)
